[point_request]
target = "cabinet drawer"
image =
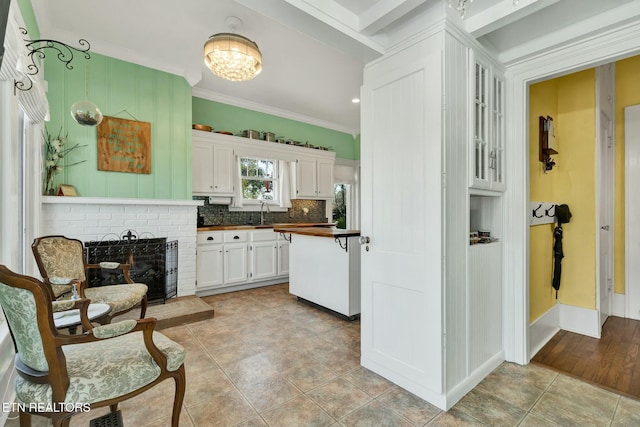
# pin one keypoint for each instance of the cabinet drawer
(208, 237)
(263, 235)
(235, 236)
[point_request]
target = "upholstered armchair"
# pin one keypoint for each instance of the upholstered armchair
(102, 367)
(61, 262)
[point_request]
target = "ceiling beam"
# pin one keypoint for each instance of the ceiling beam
(383, 13)
(503, 14)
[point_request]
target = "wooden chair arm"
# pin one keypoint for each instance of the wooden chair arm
(82, 304)
(122, 266)
(147, 326)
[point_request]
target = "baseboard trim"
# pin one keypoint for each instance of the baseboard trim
(543, 329)
(468, 384)
(580, 320)
(619, 304)
(436, 399)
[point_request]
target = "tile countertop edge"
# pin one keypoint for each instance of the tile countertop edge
(318, 231)
(265, 226)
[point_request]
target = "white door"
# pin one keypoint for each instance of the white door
(401, 270)
(606, 201)
(632, 210)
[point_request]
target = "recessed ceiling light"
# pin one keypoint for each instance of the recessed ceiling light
(356, 100)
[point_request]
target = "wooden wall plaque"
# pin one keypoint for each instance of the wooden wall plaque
(124, 145)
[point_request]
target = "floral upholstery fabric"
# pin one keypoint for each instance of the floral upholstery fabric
(20, 310)
(106, 369)
(61, 257)
(113, 329)
(118, 297)
(62, 305)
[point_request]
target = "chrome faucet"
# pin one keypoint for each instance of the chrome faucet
(262, 205)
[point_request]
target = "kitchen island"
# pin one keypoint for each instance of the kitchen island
(324, 267)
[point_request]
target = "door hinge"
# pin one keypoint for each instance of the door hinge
(250, 275)
(609, 141)
(444, 181)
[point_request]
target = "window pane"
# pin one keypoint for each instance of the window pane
(340, 206)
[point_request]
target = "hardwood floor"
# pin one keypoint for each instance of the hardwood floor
(612, 362)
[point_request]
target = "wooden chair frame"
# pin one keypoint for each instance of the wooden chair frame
(107, 318)
(57, 376)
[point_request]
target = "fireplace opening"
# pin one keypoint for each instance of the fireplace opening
(153, 261)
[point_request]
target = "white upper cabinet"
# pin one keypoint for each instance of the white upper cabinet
(212, 169)
(314, 179)
(202, 168)
(214, 164)
(487, 125)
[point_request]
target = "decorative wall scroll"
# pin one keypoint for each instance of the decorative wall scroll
(124, 145)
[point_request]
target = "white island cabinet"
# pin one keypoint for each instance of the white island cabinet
(324, 267)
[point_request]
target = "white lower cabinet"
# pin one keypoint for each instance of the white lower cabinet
(209, 266)
(235, 263)
(283, 258)
(264, 260)
(237, 258)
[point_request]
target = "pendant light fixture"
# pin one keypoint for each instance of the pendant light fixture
(85, 112)
(232, 56)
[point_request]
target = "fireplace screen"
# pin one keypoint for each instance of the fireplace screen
(153, 261)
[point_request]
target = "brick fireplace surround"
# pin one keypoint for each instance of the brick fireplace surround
(87, 219)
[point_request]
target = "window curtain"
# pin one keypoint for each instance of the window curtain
(236, 200)
(284, 187)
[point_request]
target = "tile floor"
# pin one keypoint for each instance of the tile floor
(268, 360)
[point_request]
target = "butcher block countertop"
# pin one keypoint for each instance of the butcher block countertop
(318, 231)
(266, 226)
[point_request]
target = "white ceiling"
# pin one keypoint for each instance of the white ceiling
(313, 50)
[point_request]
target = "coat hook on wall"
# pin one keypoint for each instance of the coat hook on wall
(535, 212)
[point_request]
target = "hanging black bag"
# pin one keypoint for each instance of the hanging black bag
(563, 216)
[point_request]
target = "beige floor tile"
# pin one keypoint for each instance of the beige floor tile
(370, 382)
(489, 409)
(627, 413)
(309, 375)
(206, 386)
(374, 414)
(339, 397)
(408, 405)
(268, 391)
(521, 386)
(569, 401)
(228, 409)
(454, 418)
(534, 421)
(299, 411)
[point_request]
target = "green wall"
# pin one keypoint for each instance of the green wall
(149, 95)
(26, 10)
(235, 119)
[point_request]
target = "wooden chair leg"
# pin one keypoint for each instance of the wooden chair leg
(181, 382)
(113, 407)
(143, 307)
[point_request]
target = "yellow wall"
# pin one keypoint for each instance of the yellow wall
(570, 100)
(543, 102)
(627, 93)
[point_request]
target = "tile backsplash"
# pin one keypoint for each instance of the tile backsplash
(220, 214)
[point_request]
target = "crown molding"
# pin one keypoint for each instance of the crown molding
(254, 106)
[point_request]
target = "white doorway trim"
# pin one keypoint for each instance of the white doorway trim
(631, 209)
(589, 52)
